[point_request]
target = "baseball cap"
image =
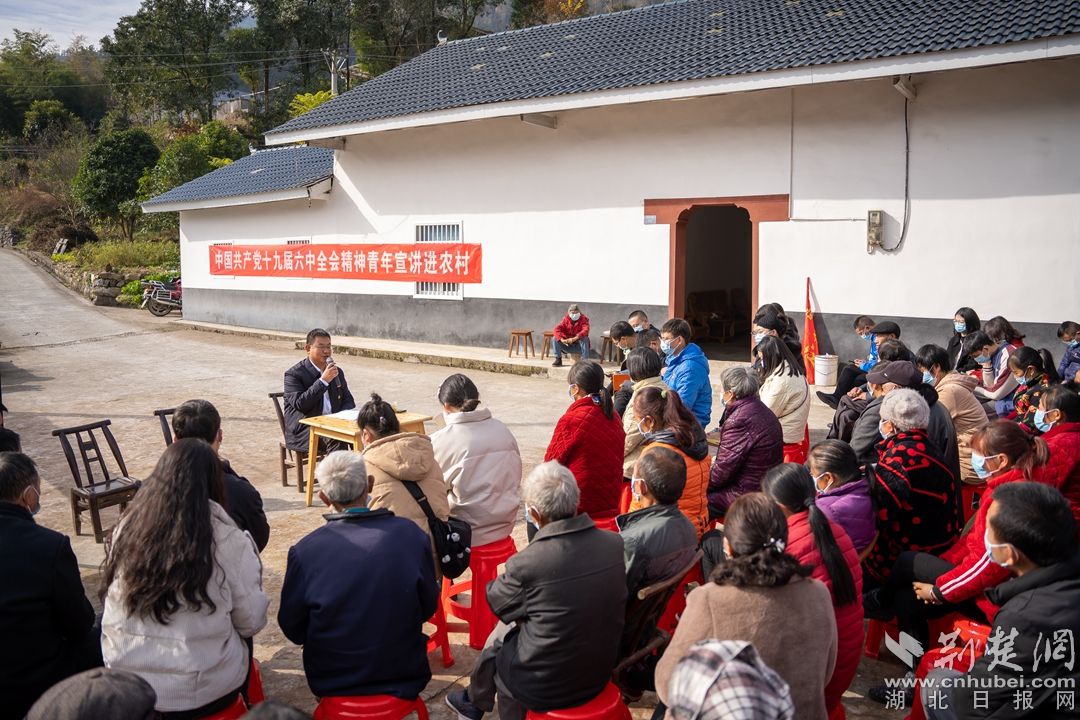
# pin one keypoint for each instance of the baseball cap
(886, 328)
(898, 372)
(97, 693)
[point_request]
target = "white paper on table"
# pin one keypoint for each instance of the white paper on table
(351, 414)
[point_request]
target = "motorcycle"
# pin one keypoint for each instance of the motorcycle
(161, 298)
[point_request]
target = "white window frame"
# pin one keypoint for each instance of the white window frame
(445, 233)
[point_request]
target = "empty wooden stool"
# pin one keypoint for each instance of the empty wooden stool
(521, 340)
(607, 348)
(545, 346)
(484, 565)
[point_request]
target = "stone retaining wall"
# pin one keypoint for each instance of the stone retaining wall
(100, 288)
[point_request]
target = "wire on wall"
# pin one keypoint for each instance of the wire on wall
(907, 179)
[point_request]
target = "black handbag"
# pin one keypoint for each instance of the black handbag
(453, 537)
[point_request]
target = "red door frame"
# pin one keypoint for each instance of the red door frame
(675, 212)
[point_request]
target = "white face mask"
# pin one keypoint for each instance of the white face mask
(826, 488)
(36, 508)
(635, 485)
(990, 548)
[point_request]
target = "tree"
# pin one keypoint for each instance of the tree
(526, 13)
(174, 54)
(304, 102)
(47, 121)
(559, 10)
(109, 173)
(220, 141)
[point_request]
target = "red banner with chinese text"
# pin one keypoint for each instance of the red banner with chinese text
(414, 262)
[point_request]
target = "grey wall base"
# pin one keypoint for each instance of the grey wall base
(836, 335)
(473, 321)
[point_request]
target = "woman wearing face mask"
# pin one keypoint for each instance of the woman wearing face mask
(394, 458)
(843, 491)
(813, 539)
(1058, 419)
(924, 586)
(664, 421)
(956, 393)
(965, 322)
(588, 439)
(1069, 333)
(997, 385)
(784, 390)
(1034, 373)
(770, 321)
(644, 367)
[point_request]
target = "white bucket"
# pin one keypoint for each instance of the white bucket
(825, 370)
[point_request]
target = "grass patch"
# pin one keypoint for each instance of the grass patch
(141, 253)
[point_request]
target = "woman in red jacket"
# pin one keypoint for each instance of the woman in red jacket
(1058, 419)
(588, 439)
(815, 540)
(923, 586)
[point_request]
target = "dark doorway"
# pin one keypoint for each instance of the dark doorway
(719, 279)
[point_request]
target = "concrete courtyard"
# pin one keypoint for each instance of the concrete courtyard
(64, 362)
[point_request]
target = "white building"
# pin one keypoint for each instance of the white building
(630, 159)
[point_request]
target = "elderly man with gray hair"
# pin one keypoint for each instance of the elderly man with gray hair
(560, 604)
(751, 441)
(358, 590)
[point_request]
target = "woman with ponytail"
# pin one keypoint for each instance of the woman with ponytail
(394, 458)
(588, 439)
(814, 540)
(923, 586)
(480, 462)
(1034, 372)
(762, 595)
(1058, 419)
(664, 421)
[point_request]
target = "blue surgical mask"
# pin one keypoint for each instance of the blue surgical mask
(928, 377)
(1020, 380)
(960, 327)
(982, 359)
(978, 464)
(758, 337)
(665, 347)
(570, 392)
(638, 328)
(1074, 342)
(867, 336)
(575, 316)
(990, 547)
(1040, 421)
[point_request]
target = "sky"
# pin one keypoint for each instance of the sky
(64, 19)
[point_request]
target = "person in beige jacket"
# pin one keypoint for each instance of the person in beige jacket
(956, 393)
(393, 458)
(480, 461)
(644, 367)
(762, 595)
(784, 389)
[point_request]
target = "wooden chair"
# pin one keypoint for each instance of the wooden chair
(166, 429)
(641, 637)
(607, 348)
(521, 340)
(91, 493)
(287, 457)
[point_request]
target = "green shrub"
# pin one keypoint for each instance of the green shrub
(134, 288)
(67, 257)
(141, 253)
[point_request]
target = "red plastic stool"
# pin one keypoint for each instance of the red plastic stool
(797, 452)
(237, 710)
(484, 562)
(875, 634)
(608, 705)
(369, 707)
(972, 634)
(254, 691)
(439, 639)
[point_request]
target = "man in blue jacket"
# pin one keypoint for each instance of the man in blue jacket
(357, 592)
(687, 371)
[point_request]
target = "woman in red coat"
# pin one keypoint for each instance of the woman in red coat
(814, 540)
(1058, 419)
(588, 439)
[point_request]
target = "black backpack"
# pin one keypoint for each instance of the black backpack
(453, 537)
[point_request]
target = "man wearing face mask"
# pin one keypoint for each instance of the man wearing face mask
(358, 590)
(571, 335)
(687, 371)
(46, 620)
(1031, 533)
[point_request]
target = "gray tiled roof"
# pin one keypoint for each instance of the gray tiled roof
(272, 170)
(684, 40)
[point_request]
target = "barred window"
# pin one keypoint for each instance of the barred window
(450, 233)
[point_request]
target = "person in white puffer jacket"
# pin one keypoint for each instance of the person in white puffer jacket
(481, 463)
(184, 587)
(785, 391)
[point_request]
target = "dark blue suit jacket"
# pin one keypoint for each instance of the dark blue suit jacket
(304, 398)
(356, 594)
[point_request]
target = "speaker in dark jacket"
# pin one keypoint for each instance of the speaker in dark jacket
(303, 398)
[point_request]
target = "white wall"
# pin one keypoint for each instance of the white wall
(994, 183)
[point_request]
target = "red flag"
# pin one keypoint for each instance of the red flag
(809, 343)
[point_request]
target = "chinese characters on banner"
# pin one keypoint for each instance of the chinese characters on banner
(424, 262)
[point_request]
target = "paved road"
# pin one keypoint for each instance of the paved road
(65, 362)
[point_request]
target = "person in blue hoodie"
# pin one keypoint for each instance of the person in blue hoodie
(687, 371)
(1069, 369)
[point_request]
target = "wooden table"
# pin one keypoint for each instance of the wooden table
(337, 428)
